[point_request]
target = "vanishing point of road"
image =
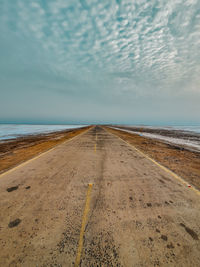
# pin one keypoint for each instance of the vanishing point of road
(96, 201)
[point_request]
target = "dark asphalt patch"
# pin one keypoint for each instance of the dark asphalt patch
(164, 237)
(102, 251)
(190, 232)
(14, 223)
(170, 245)
(10, 189)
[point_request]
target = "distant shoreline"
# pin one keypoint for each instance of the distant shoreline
(15, 131)
(183, 138)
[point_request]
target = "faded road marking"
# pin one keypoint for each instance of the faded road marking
(84, 221)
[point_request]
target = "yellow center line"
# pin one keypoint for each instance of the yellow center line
(84, 221)
(95, 147)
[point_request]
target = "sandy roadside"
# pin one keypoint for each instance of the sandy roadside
(14, 152)
(179, 160)
(181, 138)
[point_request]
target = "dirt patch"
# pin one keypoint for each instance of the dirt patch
(181, 161)
(19, 150)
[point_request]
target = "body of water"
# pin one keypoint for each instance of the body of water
(195, 129)
(10, 131)
(193, 142)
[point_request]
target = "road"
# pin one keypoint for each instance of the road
(95, 201)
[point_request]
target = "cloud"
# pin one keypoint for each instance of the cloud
(124, 50)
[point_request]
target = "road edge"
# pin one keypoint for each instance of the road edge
(41, 154)
(158, 164)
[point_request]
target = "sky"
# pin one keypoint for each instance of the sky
(89, 61)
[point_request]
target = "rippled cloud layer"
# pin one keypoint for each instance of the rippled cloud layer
(112, 53)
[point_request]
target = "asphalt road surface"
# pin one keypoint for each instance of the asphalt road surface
(95, 201)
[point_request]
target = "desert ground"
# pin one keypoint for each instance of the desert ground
(94, 200)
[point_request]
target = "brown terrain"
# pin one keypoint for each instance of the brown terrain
(134, 213)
